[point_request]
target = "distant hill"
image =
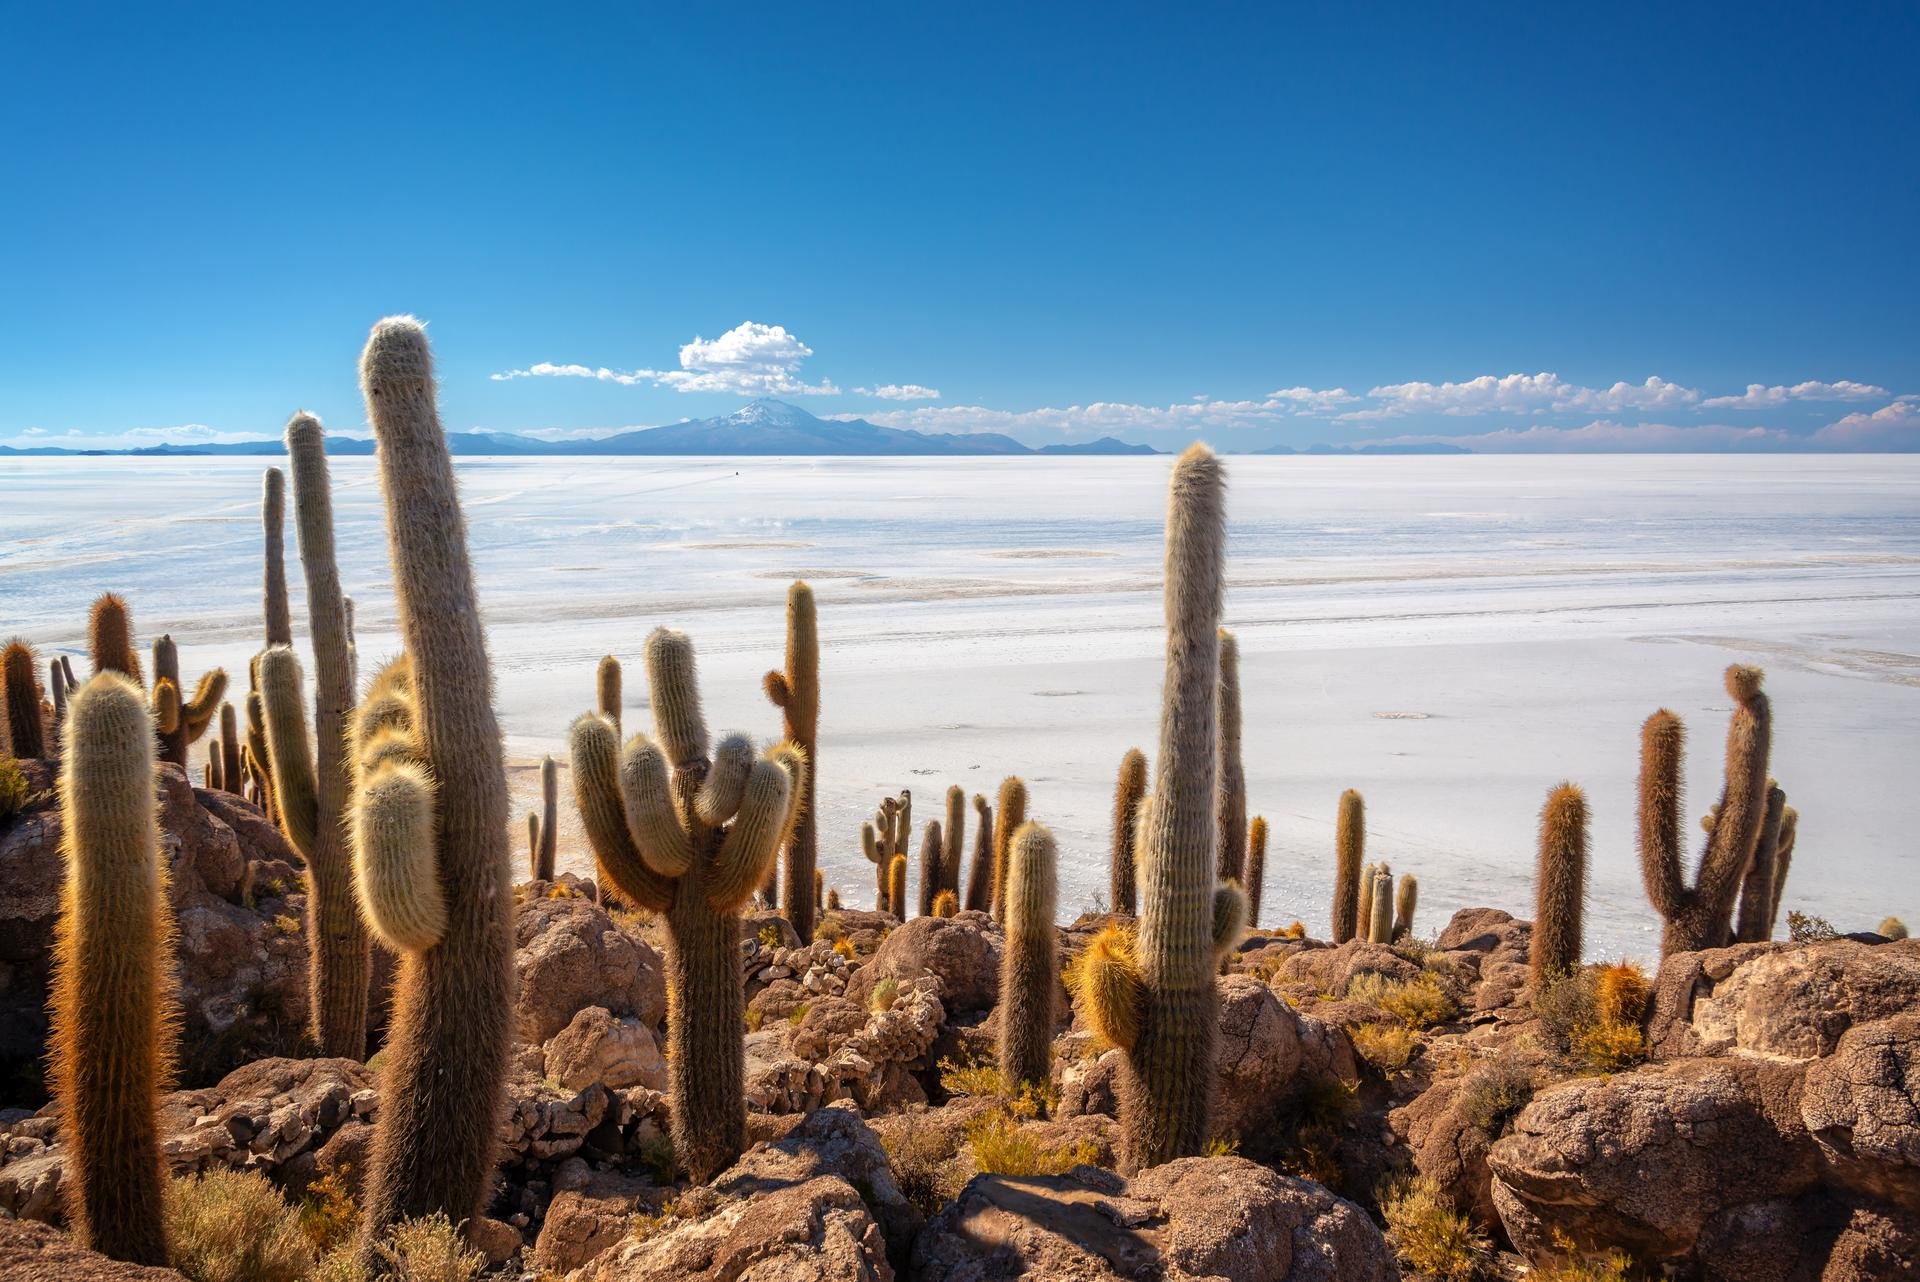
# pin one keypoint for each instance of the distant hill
(1105, 445)
(1429, 447)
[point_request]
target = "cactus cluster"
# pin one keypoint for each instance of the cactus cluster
(687, 829)
(882, 841)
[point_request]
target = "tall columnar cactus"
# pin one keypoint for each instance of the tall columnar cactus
(273, 587)
(1363, 907)
(112, 1000)
(230, 774)
(1012, 813)
(1782, 860)
(1560, 886)
(1349, 850)
(1405, 903)
(1157, 1002)
(1701, 916)
(1030, 964)
(932, 852)
(1256, 868)
(607, 689)
(1128, 790)
(980, 875)
(313, 783)
(450, 1031)
(1380, 909)
(543, 829)
(110, 637)
(953, 839)
(795, 690)
(1755, 922)
(20, 681)
(197, 713)
(690, 835)
(897, 886)
(1230, 795)
(58, 685)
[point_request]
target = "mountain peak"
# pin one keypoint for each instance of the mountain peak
(766, 411)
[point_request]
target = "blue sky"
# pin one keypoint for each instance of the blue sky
(1259, 224)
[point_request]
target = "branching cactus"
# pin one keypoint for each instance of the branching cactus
(690, 835)
(1013, 813)
(953, 839)
(1380, 909)
(1560, 886)
(197, 713)
(273, 586)
(1256, 868)
(110, 637)
(1755, 922)
(442, 1089)
(1349, 850)
(932, 852)
(313, 782)
(1406, 902)
(1128, 790)
(1157, 1001)
(112, 1003)
(1701, 915)
(795, 690)
(1230, 794)
(20, 679)
(980, 875)
(1030, 964)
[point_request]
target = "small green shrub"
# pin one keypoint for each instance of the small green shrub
(1387, 1047)
(884, 994)
(1430, 1234)
(429, 1249)
(969, 1079)
(1493, 1094)
(13, 788)
(233, 1226)
(1417, 1003)
(770, 936)
(999, 1146)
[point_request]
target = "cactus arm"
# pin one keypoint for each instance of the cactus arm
(1111, 990)
(679, 723)
(288, 751)
(198, 712)
(726, 782)
(1782, 860)
(869, 843)
(1128, 789)
(396, 878)
(1662, 745)
(166, 707)
(1743, 802)
(646, 787)
(594, 744)
(1229, 920)
(752, 838)
(1755, 923)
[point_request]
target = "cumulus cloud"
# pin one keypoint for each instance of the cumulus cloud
(1760, 396)
(1896, 427)
(1519, 394)
(131, 438)
(1606, 436)
(750, 359)
(901, 392)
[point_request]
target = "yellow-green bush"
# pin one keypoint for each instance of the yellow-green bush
(999, 1146)
(233, 1226)
(13, 788)
(1430, 1234)
(1385, 1046)
(429, 1249)
(1417, 1003)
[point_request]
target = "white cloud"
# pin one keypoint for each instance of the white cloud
(1896, 427)
(1760, 396)
(901, 392)
(1105, 417)
(1605, 436)
(750, 359)
(1312, 400)
(1519, 394)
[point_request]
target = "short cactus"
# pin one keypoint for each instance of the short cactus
(448, 1037)
(932, 852)
(1012, 813)
(110, 637)
(1701, 916)
(795, 690)
(112, 1003)
(607, 689)
(897, 886)
(1560, 886)
(946, 904)
(26, 732)
(273, 586)
(1157, 1002)
(1405, 903)
(833, 899)
(1363, 906)
(1380, 905)
(197, 713)
(690, 835)
(980, 875)
(1029, 966)
(1128, 791)
(1230, 786)
(230, 772)
(1349, 850)
(1256, 868)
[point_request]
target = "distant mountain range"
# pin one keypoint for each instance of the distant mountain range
(766, 427)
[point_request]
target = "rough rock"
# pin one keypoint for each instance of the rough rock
(1861, 1105)
(1214, 1218)
(833, 1140)
(1268, 1055)
(590, 1211)
(569, 955)
(598, 1046)
(1783, 1001)
(41, 1253)
(1820, 1237)
(1330, 970)
(963, 952)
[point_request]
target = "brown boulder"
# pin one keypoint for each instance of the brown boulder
(569, 955)
(963, 952)
(598, 1046)
(1782, 1001)
(1860, 1106)
(31, 1252)
(816, 1231)
(1267, 1054)
(591, 1211)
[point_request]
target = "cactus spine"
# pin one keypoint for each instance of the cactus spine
(1349, 848)
(1755, 922)
(1701, 916)
(1405, 904)
(1560, 886)
(1128, 790)
(932, 852)
(795, 690)
(980, 876)
(1013, 813)
(110, 637)
(449, 1034)
(690, 836)
(112, 1005)
(1230, 797)
(1256, 868)
(20, 680)
(1029, 966)
(1157, 1001)
(1380, 909)
(196, 714)
(545, 829)
(273, 588)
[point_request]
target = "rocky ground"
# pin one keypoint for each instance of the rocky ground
(1760, 1123)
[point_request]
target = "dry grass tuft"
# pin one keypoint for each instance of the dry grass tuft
(233, 1226)
(1430, 1234)
(1385, 1046)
